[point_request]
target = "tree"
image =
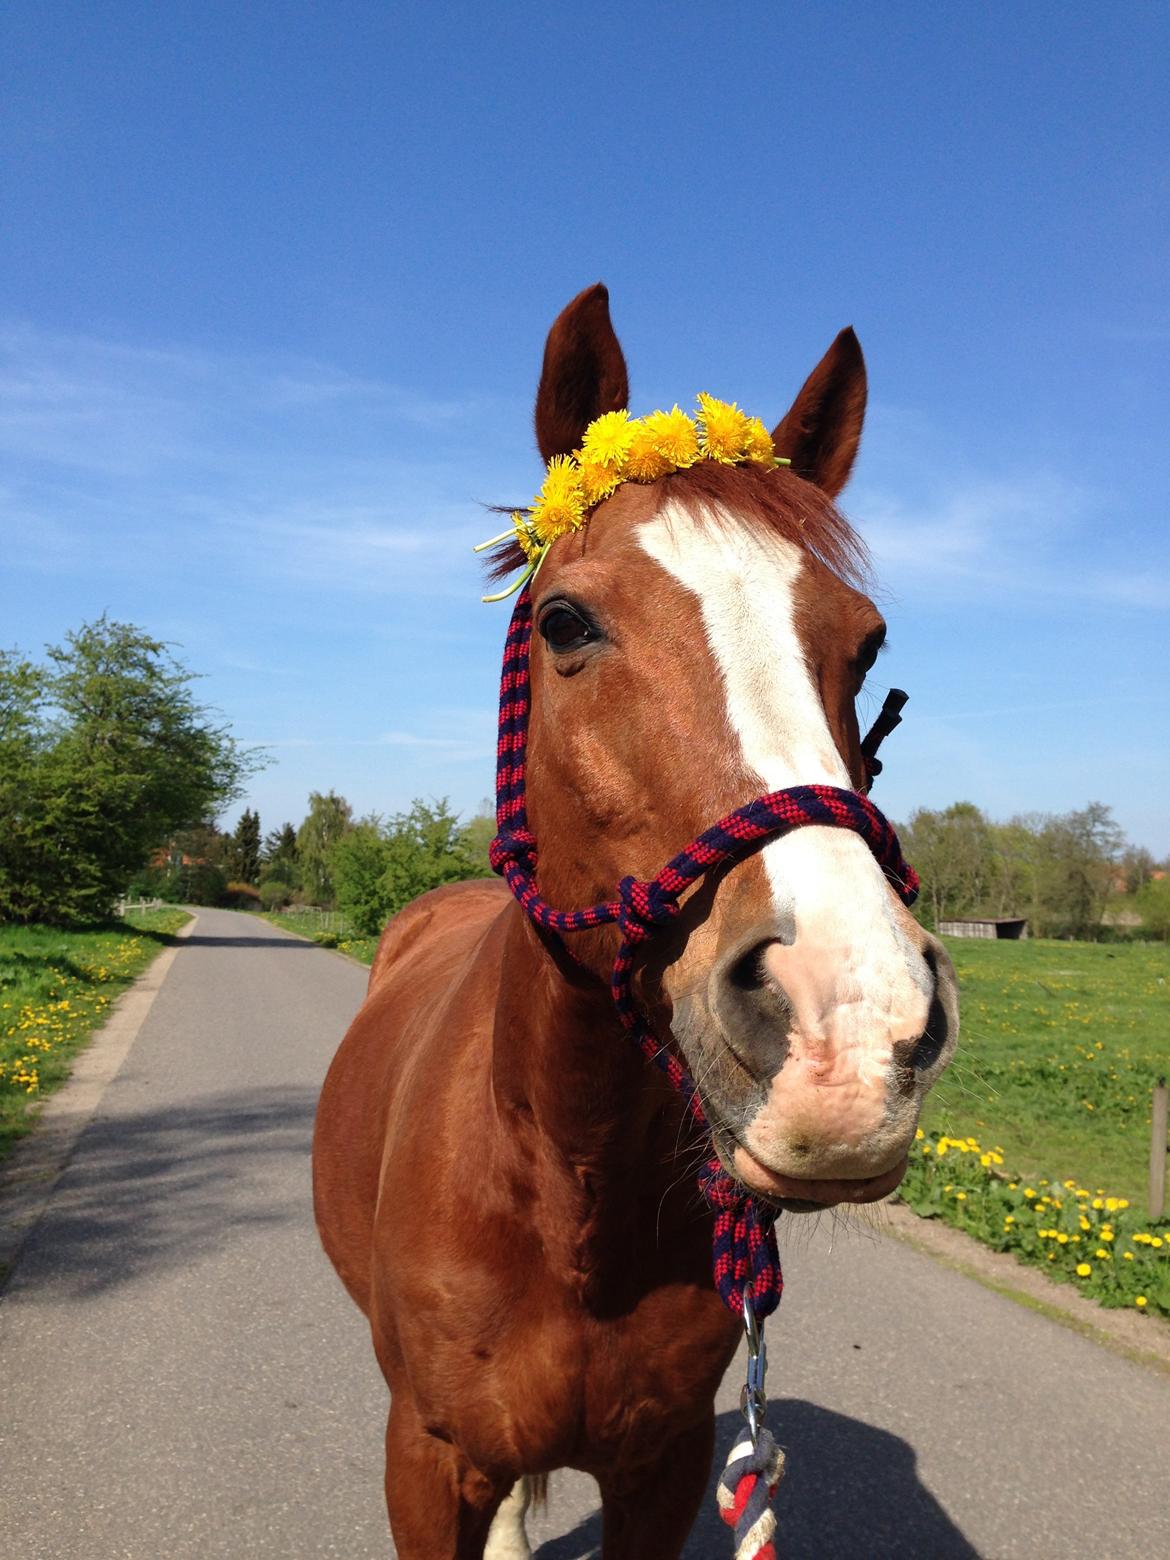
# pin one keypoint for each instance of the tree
(378, 868)
(279, 861)
(244, 853)
(478, 833)
(329, 818)
(425, 848)
(1153, 905)
(1078, 863)
(952, 852)
(358, 862)
(104, 753)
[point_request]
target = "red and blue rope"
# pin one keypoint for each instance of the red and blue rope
(744, 1244)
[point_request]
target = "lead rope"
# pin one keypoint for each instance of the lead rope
(745, 1260)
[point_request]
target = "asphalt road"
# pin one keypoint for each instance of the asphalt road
(181, 1375)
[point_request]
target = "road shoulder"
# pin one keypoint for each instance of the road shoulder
(1142, 1339)
(31, 1171)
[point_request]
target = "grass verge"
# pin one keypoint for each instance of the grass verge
(326, 929)
(56, 988)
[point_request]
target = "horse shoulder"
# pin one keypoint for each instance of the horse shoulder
(423, 954)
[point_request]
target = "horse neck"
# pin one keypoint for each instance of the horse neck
(597, 1128)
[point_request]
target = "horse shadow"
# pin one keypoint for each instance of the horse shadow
(849, 1489)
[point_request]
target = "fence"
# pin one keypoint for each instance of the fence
(309, 919)
(124, 905)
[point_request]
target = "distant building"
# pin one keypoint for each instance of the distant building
(986, 926)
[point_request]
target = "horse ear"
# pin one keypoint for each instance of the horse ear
(821, 432)
(584, 373)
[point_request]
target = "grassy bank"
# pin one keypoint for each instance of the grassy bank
(326, 927)
(1061, 1044)
(56, 988)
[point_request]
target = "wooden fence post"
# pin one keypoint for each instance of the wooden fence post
(1158, 1126)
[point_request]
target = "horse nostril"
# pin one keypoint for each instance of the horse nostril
(747, 973)
(928, 1047)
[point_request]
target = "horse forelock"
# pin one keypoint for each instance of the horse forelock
(774, 501)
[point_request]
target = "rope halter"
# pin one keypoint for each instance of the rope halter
(744, 1250)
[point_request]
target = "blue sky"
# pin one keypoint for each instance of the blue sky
(276, 282)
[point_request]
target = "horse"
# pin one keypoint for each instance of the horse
(502, 1183)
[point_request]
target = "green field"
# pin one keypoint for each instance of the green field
(56, 988)
(1060, 1046)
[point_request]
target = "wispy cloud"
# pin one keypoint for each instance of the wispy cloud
(1024, 534)
(294, 469)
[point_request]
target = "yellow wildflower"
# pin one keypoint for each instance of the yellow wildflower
(598, 481)
(1062, 1238)
(1141, 1302)
(1083, 1269)
(672, 435)
(758, 446)
(560, 505)
(724, 430)
(607, 440)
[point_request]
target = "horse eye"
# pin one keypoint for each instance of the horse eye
(564, 629)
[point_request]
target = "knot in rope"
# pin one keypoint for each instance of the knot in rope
(644, 907)
(516, 847)
(743, 1245)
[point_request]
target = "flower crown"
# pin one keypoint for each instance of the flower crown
(618, 448)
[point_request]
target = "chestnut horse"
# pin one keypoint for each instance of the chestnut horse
(504, 1186)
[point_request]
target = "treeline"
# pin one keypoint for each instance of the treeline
(1071, 874)
(368, 867)
(104, 752)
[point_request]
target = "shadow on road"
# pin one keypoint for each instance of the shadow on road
(275, 941)
(849, 1490)
(157, 1189)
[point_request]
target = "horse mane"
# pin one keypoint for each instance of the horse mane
(776, 501)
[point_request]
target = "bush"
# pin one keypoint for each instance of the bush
(241, 896)
(274, 894)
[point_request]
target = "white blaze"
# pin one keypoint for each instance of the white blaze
(825, 882)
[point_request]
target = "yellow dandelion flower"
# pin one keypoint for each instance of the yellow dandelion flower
(607, 440)
(1098, 1203)
(758, 446)
(1123, 1202)
(1141, 1302)
(926, 1148)
(529, 542)
(598, 481)
(1101, 1252)
(645, 462)
(1083, 1269)
(1128, 1255)
(1156, 1242)
(675, 436)
(724, 430)
(560, 504)
(920, 1134)
(1085, 1225)
(1029, 1191)
(1062, 1238)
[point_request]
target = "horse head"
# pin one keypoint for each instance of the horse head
(704, 639)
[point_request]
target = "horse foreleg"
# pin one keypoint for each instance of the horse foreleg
(508, 1539)
(647, 1515)
(440, 1507)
